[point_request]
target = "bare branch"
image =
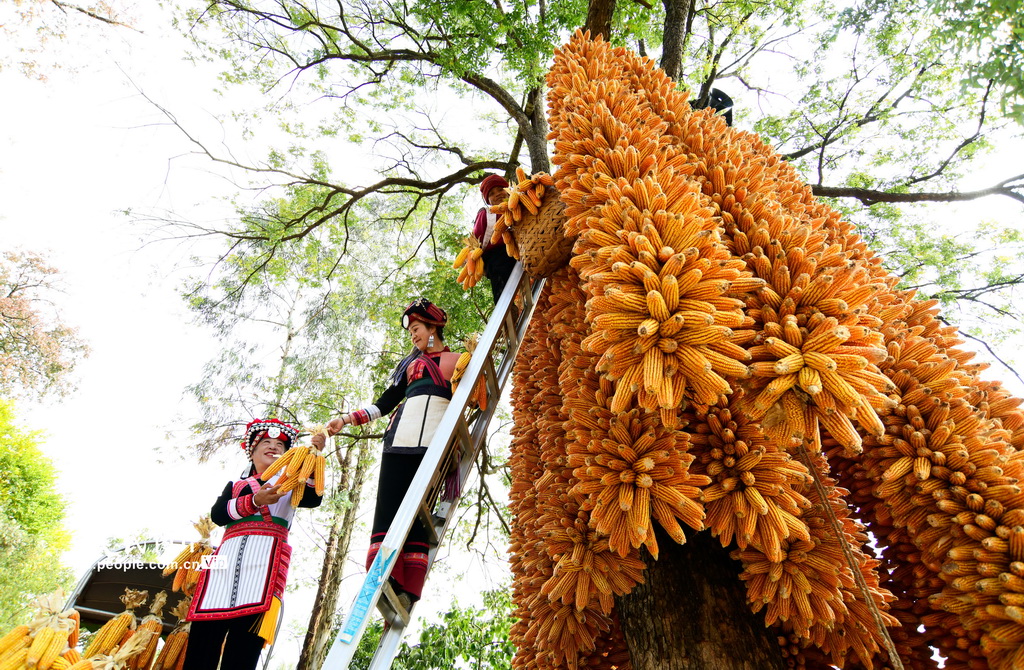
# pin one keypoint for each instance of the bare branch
(988, 348)
(66, 6)
(1011, 188)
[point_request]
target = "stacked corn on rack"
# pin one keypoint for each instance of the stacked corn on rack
(47, 642)
(724, 352)
(50, 641)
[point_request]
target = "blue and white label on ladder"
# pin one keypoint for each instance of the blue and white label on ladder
(364, 601)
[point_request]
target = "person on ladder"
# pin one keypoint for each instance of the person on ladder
(420, 389)
(238, 597)
(498, 264)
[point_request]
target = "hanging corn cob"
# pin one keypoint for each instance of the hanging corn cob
(187, 565)
(172, 653)
(479, 397)
(113, 631)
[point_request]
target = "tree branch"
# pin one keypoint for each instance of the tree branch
(1011, 188)
(65, 6)
(987, 348)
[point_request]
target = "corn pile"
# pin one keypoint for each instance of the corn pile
(526, 196)
(725, 352)
(187, 565)
(299, 464)
(566, 575)
(48, 641)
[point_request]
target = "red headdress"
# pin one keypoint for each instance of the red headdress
(257, 429)
(491, 181)
(423, 310)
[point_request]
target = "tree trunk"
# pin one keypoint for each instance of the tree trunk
(354, 465)
(322, 617)
(674, 37)
(536, 140)
(691, 614)
(599, 18)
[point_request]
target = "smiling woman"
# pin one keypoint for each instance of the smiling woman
(238, 597)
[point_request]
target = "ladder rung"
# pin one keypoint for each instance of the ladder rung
(463, 432)
(427, 518)
(391, 608)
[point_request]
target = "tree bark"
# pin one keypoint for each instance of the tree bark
(536, 139)
(322, 617)
(599, 18)
(691, 613)
(354, 466)
(674, 37)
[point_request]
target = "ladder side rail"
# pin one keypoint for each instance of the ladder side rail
(387, 648)
(478, 428)
(343, 649)
(502, 373)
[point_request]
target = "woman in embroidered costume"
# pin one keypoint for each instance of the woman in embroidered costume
(420, 389)
(239, 595)
(498, 264)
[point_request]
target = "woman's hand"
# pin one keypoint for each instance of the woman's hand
(332, 427)
(267, 495)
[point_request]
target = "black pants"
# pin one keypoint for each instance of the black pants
(241, 650)
(396, 473)
(498, 266)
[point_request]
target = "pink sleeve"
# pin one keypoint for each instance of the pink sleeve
(480, 226)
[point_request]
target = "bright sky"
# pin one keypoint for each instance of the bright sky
(74, 152)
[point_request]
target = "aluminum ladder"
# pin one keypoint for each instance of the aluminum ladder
(461, 426)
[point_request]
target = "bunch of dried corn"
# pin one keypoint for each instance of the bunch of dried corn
(755, 493)
(113, 632)
(469, 259)
(810, 588)
(479, 397)
(119, 657)
(187, 565)
(153, 625)
(172, 654)
(526, 196)
(300, 463)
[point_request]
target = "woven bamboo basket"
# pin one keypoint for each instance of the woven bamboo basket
(543, 246)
